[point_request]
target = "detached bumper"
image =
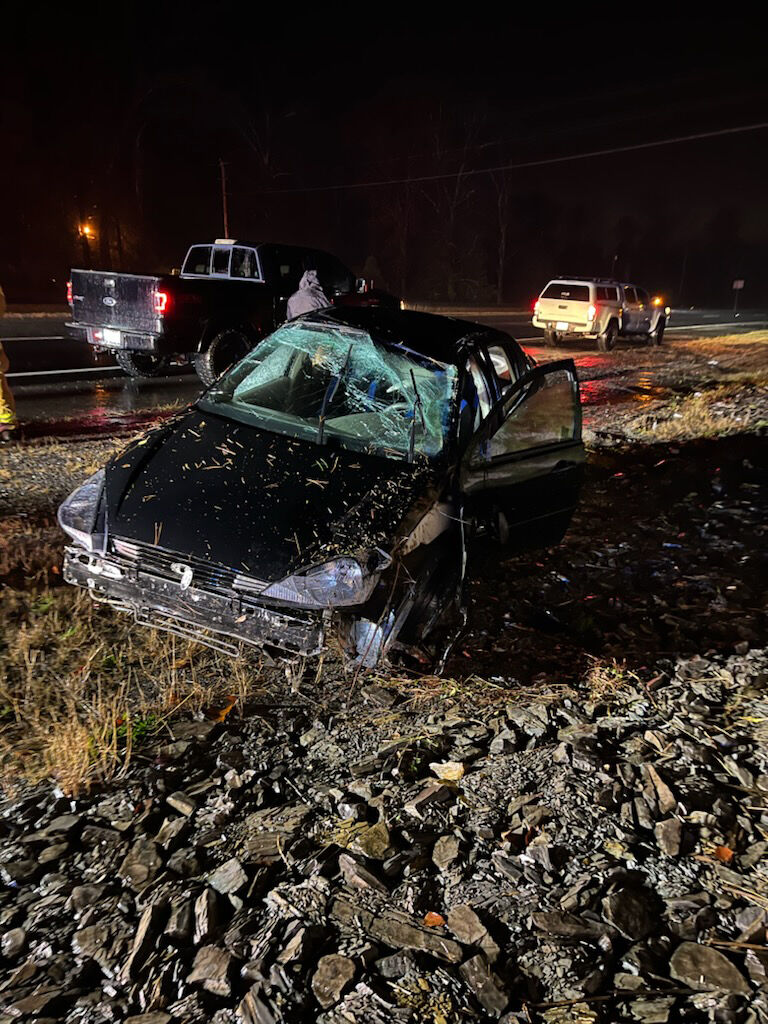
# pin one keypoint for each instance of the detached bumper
(214, 619)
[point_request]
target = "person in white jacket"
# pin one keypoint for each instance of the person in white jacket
(309, 296)
(8, 421)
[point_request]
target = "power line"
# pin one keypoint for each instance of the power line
(520, 166)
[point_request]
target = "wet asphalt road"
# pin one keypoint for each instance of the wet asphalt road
(63, 388)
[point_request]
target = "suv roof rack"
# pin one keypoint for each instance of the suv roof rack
(581, 277)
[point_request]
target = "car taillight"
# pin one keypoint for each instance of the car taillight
(161, 300)
(69, 293)
(591, 312)
(536, 306)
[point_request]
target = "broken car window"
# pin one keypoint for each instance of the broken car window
(367, 392)
(542, 414)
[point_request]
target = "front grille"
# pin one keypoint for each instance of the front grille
(207, 575)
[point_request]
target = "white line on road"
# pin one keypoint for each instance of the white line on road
(54, 373)
(38, 337)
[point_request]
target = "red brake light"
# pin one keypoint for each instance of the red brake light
(69, 293)
(161, 302)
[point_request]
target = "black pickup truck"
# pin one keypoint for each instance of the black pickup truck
(228, 295)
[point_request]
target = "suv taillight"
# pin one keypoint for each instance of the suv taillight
(536, 306)
(591, 312)
(69, 293)
(161, 300)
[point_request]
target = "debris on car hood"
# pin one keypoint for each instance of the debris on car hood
(295, 501)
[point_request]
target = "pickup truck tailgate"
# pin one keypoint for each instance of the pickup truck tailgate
(104, 299)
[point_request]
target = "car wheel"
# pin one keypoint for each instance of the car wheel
(607, 340)
(657, 336)
(226, 348)
(141, 364)
(437, 591)
(550, 339)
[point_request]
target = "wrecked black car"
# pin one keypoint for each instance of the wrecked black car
(329, 484)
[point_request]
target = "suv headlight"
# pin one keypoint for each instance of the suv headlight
(79, 514)
(340, 582)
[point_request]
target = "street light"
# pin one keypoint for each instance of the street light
(86, 231)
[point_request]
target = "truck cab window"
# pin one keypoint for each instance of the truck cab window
(198, 261)
(244, 264)
(221, 261)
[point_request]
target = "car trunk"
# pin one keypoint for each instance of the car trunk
(105, 299)
(564, 303)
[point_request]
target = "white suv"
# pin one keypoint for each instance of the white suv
(591, 307)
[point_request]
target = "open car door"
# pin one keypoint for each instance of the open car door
(525, 461)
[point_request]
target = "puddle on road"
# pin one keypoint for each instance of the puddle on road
(101, 407)
(609, 390)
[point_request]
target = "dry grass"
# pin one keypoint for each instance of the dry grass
(606, 680)
(82, 687)
(468, 696)
(731, 408)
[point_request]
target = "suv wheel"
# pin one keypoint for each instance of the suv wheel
(607, 340)
(225, 349)
(550, 339)
(657, 336)
(141, 364)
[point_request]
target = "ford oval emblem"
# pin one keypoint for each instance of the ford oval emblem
(109, 301)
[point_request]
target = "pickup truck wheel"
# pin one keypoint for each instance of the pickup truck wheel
(656, 337)
(141, 364)
(225, 349)
(550, 339)
(607, 340)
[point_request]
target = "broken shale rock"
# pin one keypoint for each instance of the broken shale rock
(396, 929)
(705, 969)
(484, 985)
(334, 973)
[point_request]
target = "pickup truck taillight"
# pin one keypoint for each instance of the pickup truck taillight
(161, 301)
(69, 293)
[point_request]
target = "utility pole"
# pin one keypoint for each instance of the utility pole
(222, 168)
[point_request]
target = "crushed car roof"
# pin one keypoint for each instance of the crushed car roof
(438, 337)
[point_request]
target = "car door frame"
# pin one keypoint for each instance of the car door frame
(531, 489)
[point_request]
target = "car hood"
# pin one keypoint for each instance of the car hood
(254, 501)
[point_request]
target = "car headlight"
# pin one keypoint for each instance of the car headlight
(79, 515)
(340, 582)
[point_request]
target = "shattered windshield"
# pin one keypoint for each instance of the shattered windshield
(337, 385)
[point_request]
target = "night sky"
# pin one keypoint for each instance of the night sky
(118, 117)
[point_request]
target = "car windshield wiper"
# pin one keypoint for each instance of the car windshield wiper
(330, 394)
(417, 404)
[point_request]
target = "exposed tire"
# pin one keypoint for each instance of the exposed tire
(550, 339)
(438, 590)
(607, 340)
(657, 336)
(225, 349)
(141, 364)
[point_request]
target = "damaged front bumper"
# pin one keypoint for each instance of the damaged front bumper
(221, 620)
